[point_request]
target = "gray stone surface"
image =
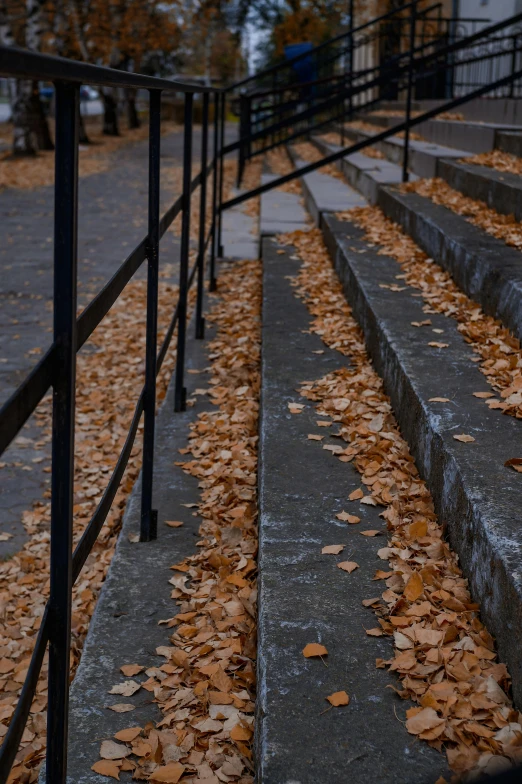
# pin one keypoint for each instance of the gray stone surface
(475, 496)
(509, 142)
(240, 235)
(500, 190)
(423, 157)
(303, 597)
(484, 267)
(323, 193)
(365, 174)
(280, 211)
(136, 593)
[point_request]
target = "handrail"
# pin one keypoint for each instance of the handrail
(18, 62)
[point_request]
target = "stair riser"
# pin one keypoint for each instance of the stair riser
(510, 142)
(501, 196)
(474, 533)
(356, 177)
(481, 275)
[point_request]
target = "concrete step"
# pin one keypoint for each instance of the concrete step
(500, 190)
(509, 141)
(365, 174)
(301, 599)
(485, 268)
(423, 157)
(476, 496)
(476, 137)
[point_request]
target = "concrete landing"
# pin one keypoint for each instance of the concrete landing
(280, 211)
(474, 494)
(303, 596)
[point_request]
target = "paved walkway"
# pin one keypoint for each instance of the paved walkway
(112, 220)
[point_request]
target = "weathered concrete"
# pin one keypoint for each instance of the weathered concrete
(365, 174)
(303, 597)
(136, 593)
(240, 237)
(280, 211)
(509, 142)
(484, 267)
(323, 193)
(475, 496)
(423, 157)
(500, 190)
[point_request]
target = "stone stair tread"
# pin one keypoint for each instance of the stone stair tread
(280, 211)
(301, 598)
(476, 496)
(484, 267)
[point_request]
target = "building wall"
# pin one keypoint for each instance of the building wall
(495, 10)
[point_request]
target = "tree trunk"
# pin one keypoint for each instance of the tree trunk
(132, 113)
(24, 136)
(41, 126)
(110, 114)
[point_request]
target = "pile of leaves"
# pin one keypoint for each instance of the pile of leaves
(503, 227)
(444, 656)
(110, 376)
(279, 163)
(309, 152)
(205, 682)
(496, 159)
(499, 353)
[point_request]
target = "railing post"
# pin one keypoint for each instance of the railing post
(242, 135)
(62, 482)
(221, 171)
(149, 516)
(513, 65)
(215, 172)
(179, 388)
(405, 175)
(200, 321)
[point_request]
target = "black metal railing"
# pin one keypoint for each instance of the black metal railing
(57, 369)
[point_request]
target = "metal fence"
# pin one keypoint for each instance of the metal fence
(57, 368)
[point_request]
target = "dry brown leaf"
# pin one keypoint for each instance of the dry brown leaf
(169, 774)
(107, 768)
(348, 566)
(314, 437)
(126, 689)
(333, 549)
(371, 532)
(314, 649)
(109, 750)
(174, 523)
(338, 698)
(465, 439)
(414, 587)
(121, 707)
(483, 395)
(436, 344)
(439, 400)
(421, 720)
(377, 632)
(346, 517)
(128, 735)
(131, 669)
(356, 495)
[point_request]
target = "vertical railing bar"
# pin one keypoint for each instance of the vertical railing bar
(200, 321)
(62, 480)
(215, 172)
(149, 516)
(221, 172)
(405, 175)
(179, 388)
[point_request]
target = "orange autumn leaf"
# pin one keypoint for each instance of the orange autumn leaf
(314, 649)
(107, 768)
(348, 566)
(338, 698)
(414, 587)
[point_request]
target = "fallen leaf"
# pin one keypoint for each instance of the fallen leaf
(356, 495)
(314, 437)
(240, 733)
(131, 669)
(425, 323)
(483, 395)
(425, 719)
(464, 438)
(107, 768)
(436, 344)
(348, 566)
(513, 461)
(332, 549)
(128, 735)
(295, 408)
(346, 517)
(109, 750)
(439, 400)
(126, 689)
(169, 774)
(121, 707)
(414, 587)
(4, 537)
(174, 523)
(369, 500)
(338, 698)
(371, 532)
(314, 649)
(377, 632)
